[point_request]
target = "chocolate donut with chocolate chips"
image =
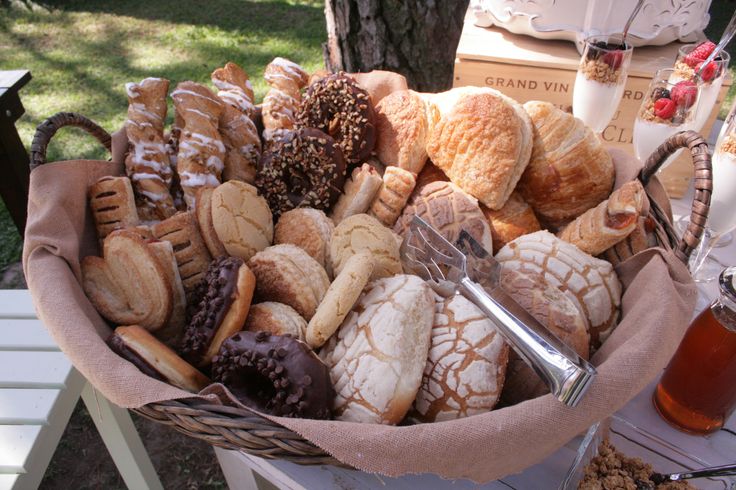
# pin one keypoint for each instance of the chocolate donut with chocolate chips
(223, 300)
(343, 109)
(303, 168)
(275, 374)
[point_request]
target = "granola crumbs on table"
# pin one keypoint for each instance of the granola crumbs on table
(611, 470)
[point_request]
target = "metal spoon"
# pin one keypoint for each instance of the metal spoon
(631, 21)
(725, 470)
(725, 39)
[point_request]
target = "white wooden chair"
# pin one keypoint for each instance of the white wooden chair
(38, 391)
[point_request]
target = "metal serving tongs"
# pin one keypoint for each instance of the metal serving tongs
(474, 273)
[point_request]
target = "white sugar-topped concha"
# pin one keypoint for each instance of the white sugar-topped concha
(466, 366)
(377, 357)
(591, 283)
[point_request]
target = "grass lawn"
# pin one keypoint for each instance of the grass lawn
(81, 54)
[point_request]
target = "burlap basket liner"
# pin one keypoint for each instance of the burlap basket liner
(657, 305)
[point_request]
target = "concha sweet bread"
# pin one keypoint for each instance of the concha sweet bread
(481, 140)
(466, 366)
(589, 282)
(449, 210)
(569, 172)
(309, 229)
(378, 354)
(552, 309)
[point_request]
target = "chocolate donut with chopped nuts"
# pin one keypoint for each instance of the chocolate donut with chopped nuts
(341, 108)
(303, 168)
(223, 300)
(275, 374)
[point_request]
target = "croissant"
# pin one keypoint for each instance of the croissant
(147, 163)
(281, 103)
(569, 172)
(602, 227)
(514, 219)
(239, 133)
(200, 160)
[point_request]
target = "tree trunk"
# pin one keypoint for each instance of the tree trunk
(416, 38)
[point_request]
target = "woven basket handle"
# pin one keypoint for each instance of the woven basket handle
(47, 129)
(703, 184)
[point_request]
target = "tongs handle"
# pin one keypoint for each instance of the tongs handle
(567, 375)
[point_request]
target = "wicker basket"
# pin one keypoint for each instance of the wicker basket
(240, 429)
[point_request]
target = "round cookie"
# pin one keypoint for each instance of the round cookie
(276, 319)
(309, 229)
(340, 298)
(363, 233)
(341, 108)
(377, 357)
(466, 366)
(302, 168)
(241, 218)
(449, 210)
(287, 274)
(274, 374)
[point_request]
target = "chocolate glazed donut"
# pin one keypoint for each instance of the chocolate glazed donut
(275, 374)
(222, 302)
(304, 168)
(341, 108)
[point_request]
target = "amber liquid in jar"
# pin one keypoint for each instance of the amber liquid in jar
(697, 392)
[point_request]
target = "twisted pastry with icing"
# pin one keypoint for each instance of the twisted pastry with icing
(239, 133)
(281, 103)
(200, 160)
(147, 163)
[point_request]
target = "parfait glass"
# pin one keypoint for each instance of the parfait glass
(722, 215)
(668, 107)
(687, 64)
(600, 80)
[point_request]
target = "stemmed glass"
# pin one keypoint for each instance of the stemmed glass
(688, 63)
(689, 60)
(600, 81)
(667, 108)
(722, 215)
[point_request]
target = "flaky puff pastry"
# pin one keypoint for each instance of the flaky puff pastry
(239, 133)
(200, 160)
(514, 219)
(113, 205)
(602, 227)
(147, 163)
(403, 126)
(281, 103)
(128, 284)
(481, 140)
(570, 171)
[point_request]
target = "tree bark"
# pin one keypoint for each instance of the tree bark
(417, 38)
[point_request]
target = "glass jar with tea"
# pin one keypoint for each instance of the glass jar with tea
(697, 392)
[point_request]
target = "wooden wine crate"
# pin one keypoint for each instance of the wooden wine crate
(527, 68)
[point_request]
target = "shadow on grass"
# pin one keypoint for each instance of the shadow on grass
(282, 19)
(88, 72)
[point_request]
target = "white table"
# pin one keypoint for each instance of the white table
(38, 391)
(719, 448)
